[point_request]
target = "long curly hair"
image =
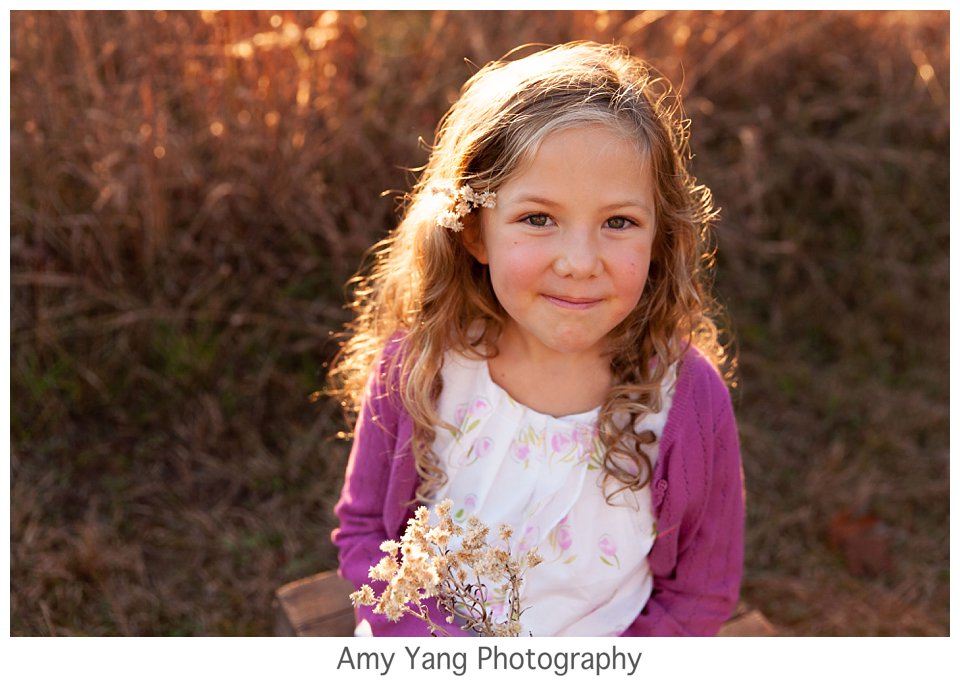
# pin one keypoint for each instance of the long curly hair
(423, 287)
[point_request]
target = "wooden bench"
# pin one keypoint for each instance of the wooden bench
(319, 606)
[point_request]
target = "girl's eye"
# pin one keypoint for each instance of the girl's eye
(619, 223)
(537, 219)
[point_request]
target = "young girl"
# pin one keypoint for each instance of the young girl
(533, 343)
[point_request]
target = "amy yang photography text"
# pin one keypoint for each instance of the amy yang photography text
(488, 659)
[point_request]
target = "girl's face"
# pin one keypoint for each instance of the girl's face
(569, 242)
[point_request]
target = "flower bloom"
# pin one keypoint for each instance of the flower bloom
(607, 545)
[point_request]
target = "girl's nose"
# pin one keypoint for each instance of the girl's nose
(578, 257)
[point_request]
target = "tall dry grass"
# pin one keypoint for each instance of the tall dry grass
(190, 191)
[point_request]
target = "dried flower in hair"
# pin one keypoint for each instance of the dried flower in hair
(462, 201)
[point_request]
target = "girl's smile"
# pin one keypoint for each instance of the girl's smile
(573, 303)
(569, 242)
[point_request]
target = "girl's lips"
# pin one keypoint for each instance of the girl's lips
(572, 303)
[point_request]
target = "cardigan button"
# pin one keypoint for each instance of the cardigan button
(662, 485)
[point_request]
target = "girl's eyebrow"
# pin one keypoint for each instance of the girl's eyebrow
(626, 203)
(630, 203)
(535, 199)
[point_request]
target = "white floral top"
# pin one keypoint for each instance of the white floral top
(507, 463)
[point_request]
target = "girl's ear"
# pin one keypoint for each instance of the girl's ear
(472, 236)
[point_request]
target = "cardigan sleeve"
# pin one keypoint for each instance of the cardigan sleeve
(697, 558)
(376, 498)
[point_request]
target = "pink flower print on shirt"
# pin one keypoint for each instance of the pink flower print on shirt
(560, 442)
(469, 505)
(583, 435)
(520, 452)
(467, 415)
(608, 548)
(593, 450)
(563, 448)
(460, 414)
(497, 602)
(479, 450)
(573, 447)
(527, 446)
(561, 540)
(587, 439)
(483, 447)
(479, 407)
(529, 539)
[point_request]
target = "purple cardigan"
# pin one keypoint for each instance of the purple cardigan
(698, 500)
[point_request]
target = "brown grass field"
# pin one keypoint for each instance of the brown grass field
(191, 191)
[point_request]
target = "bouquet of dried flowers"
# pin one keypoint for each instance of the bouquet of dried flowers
(426, 563)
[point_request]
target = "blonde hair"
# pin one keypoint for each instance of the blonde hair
(423, 284)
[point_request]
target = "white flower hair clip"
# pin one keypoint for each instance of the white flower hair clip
(463, 199)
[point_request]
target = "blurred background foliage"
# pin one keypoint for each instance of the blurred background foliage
(191, 190)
